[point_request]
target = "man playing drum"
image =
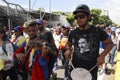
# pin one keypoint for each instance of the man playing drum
(90, 58)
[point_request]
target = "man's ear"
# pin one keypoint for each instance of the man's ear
(89, 18)
(2, 35)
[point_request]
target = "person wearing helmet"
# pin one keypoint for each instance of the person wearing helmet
(94, 36)
(84, 12)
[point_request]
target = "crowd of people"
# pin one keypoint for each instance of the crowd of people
(31, 51)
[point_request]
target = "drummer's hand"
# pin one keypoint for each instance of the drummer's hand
(45, 50)
(20, 57)
(67, 54)
(6, 61)
(100, 60)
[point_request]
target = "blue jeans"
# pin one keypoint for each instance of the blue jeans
(62, 57)
(66, 65)
(112, 56)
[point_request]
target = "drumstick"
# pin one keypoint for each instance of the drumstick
(90, 70)
(72, 64)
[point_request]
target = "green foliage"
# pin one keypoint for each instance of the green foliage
(70, 19)
(105, 20)
(95, 14)
(58, 12)
(96, 18)
(113, 24)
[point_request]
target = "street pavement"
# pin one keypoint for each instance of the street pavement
(117, 67)
(109, 75)
(60, 73)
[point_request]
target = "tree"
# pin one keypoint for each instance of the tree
(70, 19)
(103, 19)
(95, 14)
(97, 18)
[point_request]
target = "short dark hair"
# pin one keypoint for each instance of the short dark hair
(2, 31)
(32, 24)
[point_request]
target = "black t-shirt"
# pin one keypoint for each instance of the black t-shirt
(47, 36)
(86, 45)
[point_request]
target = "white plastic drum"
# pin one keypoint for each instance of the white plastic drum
(81, 74)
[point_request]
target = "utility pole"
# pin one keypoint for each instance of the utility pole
(40, 12)
(50, 13)
(28, 13)
(29, 5)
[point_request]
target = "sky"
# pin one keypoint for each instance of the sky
(112, 6)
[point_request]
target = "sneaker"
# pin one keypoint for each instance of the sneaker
(65, 78)
(54, 76)
(55, 68)
(107, 71)
(101, 71)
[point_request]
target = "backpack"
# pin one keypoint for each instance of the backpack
(15, 47)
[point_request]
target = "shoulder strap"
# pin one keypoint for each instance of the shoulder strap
(15, 47)
(4, 47)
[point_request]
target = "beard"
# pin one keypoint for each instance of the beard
(41, 28)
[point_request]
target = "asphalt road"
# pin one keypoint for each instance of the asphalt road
(60, 73)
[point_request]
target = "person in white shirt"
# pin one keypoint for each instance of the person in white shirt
(6, 57)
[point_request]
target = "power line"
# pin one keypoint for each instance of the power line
(34, 3)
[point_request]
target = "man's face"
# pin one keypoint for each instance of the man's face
(83, 45)
(65, 31)
(1, 35)
(17, 33)
(32, 32)
(81, 18)
(40, 27)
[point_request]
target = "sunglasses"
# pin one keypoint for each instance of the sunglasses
(15, 31)
(80, 16)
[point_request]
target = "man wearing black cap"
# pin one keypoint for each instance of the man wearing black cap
(94, 36)
(47, 37)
